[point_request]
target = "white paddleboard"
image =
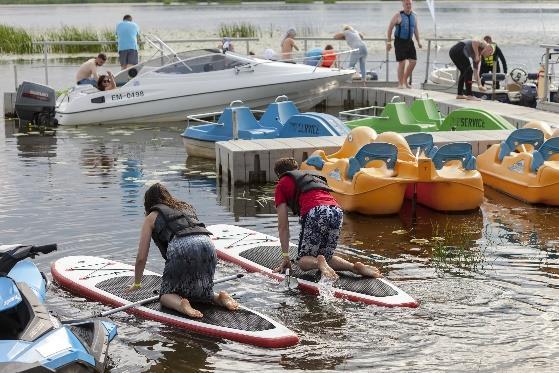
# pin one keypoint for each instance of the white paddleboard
(106, 281)
(257, 252)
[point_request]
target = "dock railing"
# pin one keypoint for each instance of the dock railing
(547, 75)
(47, 43)
(342, 43)
(429, 44)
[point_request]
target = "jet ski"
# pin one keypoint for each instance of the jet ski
(31, 338)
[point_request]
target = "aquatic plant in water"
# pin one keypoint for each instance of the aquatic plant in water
(16, 40)
(455, 251)
(238, 30)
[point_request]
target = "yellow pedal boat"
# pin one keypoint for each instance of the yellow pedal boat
(371, 173)
(447, 178)
(524, 166)
(365, 175)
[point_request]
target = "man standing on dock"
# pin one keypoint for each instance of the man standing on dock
(405, 22)
(127, 33)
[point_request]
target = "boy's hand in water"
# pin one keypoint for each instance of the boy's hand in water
(286, 263)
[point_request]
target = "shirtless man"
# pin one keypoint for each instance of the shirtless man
(287, 46)
(87, 73)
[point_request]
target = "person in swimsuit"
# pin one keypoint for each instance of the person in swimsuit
(405, 23)
(287, 46)
(308, 195)
(460, 54)
(189, 253)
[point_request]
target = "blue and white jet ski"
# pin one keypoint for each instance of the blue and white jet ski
(31, 339)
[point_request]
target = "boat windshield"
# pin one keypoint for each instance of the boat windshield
(194, 61)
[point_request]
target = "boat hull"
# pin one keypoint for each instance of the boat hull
(162, 108)
(199, 148)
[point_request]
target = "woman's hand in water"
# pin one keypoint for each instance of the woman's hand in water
(286, 263)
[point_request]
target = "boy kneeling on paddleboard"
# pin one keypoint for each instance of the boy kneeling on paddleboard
(308, 195)
(189, 253)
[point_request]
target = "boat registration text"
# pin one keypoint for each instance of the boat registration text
(127, 95)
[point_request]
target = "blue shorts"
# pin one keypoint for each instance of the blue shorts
(128, 57)
(320, 230)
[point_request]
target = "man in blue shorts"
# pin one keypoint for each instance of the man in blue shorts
(127, 33)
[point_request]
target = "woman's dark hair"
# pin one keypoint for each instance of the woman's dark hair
(100, 82)
(158, 194)
(284, 165)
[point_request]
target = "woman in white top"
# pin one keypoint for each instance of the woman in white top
(355, 41)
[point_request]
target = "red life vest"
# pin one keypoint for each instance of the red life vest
(328, 57)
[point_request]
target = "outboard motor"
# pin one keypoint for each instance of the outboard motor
(528, 95)
(35, 103)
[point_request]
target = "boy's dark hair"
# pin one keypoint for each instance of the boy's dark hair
(284, 165)
(127, 17)
(487, 38)
(328, 47)
(102, 56)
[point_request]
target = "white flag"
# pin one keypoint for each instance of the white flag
(431, 5)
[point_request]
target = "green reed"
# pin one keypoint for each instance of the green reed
(16, 40)
(455, 251)
(238, 30)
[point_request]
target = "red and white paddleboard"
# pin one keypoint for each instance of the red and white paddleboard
(257, 252)
(106, 281)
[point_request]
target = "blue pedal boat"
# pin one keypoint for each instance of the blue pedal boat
(281, 119)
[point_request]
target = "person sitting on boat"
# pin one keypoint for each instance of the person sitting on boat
(106, 82)
(227, 45)
(190, 257)
(354, 39)
(328, 56)
(308, 196)
(87, 73)
(287, 46)
(460, 54)
(487, 62)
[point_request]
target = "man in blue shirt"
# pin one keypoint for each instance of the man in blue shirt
(127, 33)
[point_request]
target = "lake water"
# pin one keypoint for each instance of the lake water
(487, 304)
(519, 28)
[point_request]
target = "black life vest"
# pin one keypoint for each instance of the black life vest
(177, 223)
(304, 181)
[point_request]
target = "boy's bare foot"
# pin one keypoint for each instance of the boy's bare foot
(225, 300)
(400, 86)
(325, 269)
(408, 86)
(187, 309)
(366, 270)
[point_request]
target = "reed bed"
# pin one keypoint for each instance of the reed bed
(17, 40)
(238, 30)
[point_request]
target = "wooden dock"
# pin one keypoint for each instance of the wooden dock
(252, 161)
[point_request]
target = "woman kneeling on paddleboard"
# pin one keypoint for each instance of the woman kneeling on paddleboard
(308, 196)
(189, 253)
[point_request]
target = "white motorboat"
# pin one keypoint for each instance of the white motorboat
(167, 88)
(448, 76)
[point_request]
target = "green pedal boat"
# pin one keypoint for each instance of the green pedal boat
(424, 116)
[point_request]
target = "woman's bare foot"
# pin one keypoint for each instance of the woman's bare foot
(401, 86)
(365, 270)
(409, 86)
(187, 309)
(460, 97)
(225, 300)
(325, 269)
